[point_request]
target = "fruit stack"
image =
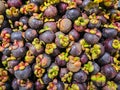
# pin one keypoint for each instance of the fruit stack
(59, 45)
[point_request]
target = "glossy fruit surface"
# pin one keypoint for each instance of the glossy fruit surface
(72, 14)
(109, 71)
(30, 34)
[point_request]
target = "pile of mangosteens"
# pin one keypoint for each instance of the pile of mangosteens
(59, 45)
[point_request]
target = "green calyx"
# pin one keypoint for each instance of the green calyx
(116, 15)
(5, 62)
(46, 28)
(112, 85)
(84, 44)
(21, 66)
(37, 43)
(40, 81)
(108, 3)
(87, 52)
(93, 31)
(64, 40)
(1, 19)
(41, 60)
(89, 67)
(12, 12)
(91, 5)
(91, 86)
(110, 26)
(116, 65)
(53, 1)
(11, 58)
(38, 16)
(71, 4)
(2, 86)
(116, 61)
(99, 77)
(67, 77)
(64, 56)
(98, 1)
(20, 27)
(38, 71)
(116, 44)
(45, 6)
(11, 24)
(3, 75)
(93, 18)
(95, 51)
(29, 57)
(53, 72)
(66, 1)
(74, 58)
(74, 87)
(26, 83)
(50, 48)
(94, 21)
(81, 21)
(49, 19)
(30, 7)
(52, 85)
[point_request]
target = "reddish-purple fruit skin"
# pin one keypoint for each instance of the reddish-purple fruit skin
(6, 52)
(90, 38)
(108, 46)
(109, 71)
(72, 14)
(35, 23)
(47, 36)
(23, 74)
(38, 2)
(60, 85)
(62, 8)
(84, 59)
(49, 60)
(74, 34)
(19, 52)
(51, 25)
(117, 78)
(60, 62)
(80, 76)
(56, 52)
(76, 49)
(39, 86)
(2, 9)
(63, 71)
(14, 3)
(30, 34)
(96, 68)
(46, 79)
(15, 85)
(50, 12)
(34, 50)
(16, 36)
(82, 86)
(109, 32)
(25, 88)
(105, 59)
(90, 25)
(24, 20)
